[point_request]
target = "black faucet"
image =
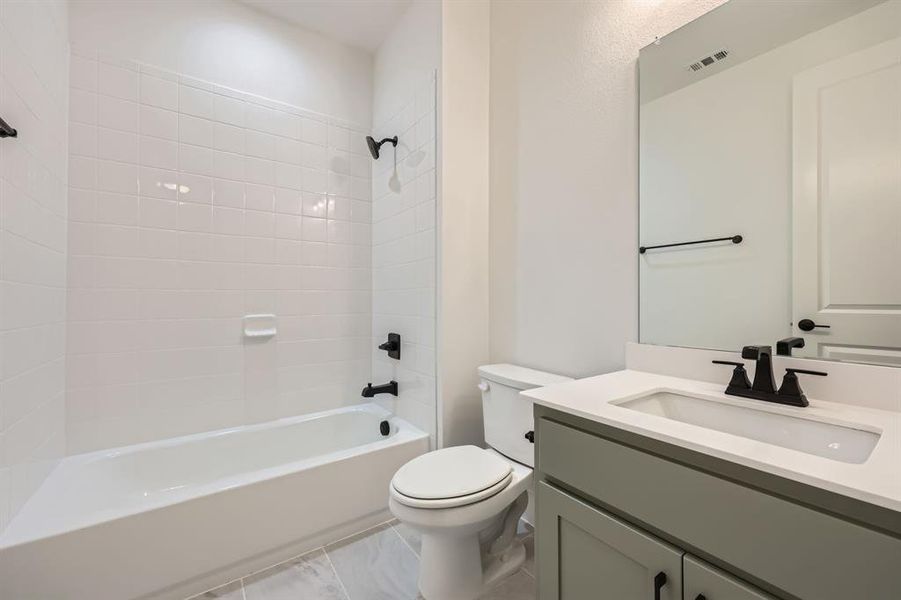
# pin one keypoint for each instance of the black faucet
(388, 388)
(764, 386)
(784, 347)
(392, 346)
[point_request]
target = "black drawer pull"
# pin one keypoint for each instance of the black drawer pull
(701, 597)
(659, 582)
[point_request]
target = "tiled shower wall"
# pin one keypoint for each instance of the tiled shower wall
(34, 58)
(192, 205)
(404, 257)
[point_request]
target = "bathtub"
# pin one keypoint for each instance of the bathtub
(172, 518)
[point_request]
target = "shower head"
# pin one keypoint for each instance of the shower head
(374, 146)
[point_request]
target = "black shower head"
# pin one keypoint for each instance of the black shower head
(374, 146)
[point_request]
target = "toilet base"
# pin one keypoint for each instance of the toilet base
(458, 565)
(453, 568)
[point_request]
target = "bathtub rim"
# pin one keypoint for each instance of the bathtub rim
(12, 536)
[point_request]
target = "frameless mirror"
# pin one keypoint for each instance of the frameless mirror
(770, 157)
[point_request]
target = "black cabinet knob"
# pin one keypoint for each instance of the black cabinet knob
(700, 597)
(809, 325)
(530, 435)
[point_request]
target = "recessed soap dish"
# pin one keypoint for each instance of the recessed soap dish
(260, 326)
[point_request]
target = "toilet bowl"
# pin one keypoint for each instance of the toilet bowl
(466, 501)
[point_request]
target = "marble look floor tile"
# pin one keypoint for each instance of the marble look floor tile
(529, 565)
(230, 591)
(376, 565)
(409, 535)
(519, 586)
(308, 576)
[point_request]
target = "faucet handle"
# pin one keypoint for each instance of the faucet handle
(807, 372)
(739, 375)
(791, 387)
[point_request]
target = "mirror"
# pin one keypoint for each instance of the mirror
(774, 129)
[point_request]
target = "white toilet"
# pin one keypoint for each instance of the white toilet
(466, 501)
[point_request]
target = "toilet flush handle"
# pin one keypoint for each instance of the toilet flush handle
(483, 386)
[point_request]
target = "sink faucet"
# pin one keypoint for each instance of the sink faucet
(784, 347)
(388, 388)
(764, 382)
(764, 386)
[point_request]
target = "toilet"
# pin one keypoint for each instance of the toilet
(466, 501)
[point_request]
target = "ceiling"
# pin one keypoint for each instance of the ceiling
(361, 23)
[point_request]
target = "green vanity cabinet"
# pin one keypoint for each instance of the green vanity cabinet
(615, 509)
(595, 555)
(705, 582)
(592, 555)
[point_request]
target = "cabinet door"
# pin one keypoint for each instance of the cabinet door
(706, 582)
(584, 553)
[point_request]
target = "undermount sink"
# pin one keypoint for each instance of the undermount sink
(836, 442)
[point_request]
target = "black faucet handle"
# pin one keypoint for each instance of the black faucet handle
(790, 391)
(739, 375)
(755, 352)
(807, 372)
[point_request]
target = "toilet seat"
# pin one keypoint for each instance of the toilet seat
(451, 477)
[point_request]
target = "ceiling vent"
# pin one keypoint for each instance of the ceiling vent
(708, 60)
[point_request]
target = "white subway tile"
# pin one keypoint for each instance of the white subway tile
(117, 113)
(159, 153)
(117, 177)
(159, 92)
(115, 145)
(158, 122)
(118, 82)
(315, 230)
(196, 102)
(228, 193)
(195, 131)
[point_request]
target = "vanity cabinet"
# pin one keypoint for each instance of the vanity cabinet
(706, 582)
(600, 556)
(592, 554)
(614, 509)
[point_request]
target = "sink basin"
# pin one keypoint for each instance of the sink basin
(836, 442)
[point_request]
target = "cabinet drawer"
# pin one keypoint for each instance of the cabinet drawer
(801, 551)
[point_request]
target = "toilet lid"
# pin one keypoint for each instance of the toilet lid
(451, 473)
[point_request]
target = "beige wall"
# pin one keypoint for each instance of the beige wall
(564, 177)
(463, 219)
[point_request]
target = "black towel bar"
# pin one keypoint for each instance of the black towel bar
(6, 130)
(736, 239)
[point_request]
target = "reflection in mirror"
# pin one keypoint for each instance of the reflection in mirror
(779, 122)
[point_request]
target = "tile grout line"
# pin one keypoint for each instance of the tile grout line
(335, 571)
(406, 543)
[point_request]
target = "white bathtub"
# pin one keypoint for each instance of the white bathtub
(170, 518)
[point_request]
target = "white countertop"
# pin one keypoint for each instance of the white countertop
(877, 481)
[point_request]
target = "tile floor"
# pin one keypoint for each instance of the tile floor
(381, 563)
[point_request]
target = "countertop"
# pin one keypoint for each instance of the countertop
(876, 481)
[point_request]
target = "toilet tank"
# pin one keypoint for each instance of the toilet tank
(507, 415)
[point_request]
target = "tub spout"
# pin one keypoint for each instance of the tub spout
(388, 388)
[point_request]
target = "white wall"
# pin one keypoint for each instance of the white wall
(717, 161)
(192, 205)
(34, 100)
(410, 54)
(463, 219)
(404, 212)
(232, 45)
(564, 177)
